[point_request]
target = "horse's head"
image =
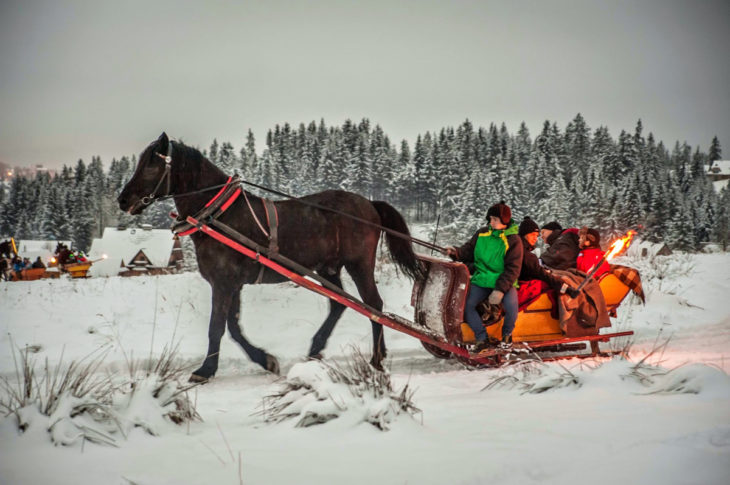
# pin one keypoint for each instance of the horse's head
(151, 179)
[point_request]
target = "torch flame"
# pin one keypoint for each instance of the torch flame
(620, 245)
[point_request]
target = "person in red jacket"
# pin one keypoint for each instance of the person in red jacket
(590, 253)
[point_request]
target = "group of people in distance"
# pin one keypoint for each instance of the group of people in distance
(16, 264)
(502, 257)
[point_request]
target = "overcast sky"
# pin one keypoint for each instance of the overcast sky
(105, 78)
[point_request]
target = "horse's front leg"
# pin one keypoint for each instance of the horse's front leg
(221, 304)
(261, 357)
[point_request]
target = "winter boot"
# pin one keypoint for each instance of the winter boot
(481, 345)
(506, 343)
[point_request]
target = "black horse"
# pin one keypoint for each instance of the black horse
(63, 254)
(315, 238)
(6, 249)
(6, 255)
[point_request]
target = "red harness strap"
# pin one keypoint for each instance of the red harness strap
(223, 189)
(212, 204)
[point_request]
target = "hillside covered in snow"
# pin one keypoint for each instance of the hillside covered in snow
(661, 416)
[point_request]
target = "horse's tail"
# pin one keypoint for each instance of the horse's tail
(400, 249)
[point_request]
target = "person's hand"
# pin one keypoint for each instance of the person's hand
(452, 252)
(495, 297)
(568, 288)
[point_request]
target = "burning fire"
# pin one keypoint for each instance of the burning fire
(620, 245)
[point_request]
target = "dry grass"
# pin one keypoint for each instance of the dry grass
(81, 401)
(363, 382)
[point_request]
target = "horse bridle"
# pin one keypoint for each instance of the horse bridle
(148, 199)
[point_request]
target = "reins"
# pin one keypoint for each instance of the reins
(166, 175)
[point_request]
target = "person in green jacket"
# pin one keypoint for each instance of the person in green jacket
(496, 251)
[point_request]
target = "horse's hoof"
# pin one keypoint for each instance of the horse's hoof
(196, 379)
(272, 365)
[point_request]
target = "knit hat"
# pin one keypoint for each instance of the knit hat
(552, 226)
(527, 226)
(592, 237)
(502, 211)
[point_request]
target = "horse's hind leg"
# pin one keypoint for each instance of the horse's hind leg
(221, 304)
(265, 360)
(362, 275)
(319, 341)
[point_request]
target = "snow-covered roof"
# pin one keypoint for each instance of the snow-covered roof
(31, 248)
(645, 249)
(719, 167)
(123, 245)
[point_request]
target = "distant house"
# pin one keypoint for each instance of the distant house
(32, 249)
(135, 251)
(719, 173)
(645, 249)
(719, 170)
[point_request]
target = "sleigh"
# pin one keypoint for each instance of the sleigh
(76, 270)
(30, 274)
(439, 302)
(439, 306)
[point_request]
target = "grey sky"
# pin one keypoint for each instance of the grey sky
(105, 78)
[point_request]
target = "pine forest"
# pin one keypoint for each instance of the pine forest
(576, 176)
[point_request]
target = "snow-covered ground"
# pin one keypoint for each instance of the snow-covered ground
(601, 426)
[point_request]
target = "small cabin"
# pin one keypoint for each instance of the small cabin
(645, 249)
(136, 251)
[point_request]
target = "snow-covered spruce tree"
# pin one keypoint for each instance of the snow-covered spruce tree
(715, 152)
(721, 228)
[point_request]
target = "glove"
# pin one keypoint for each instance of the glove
(495, 297)
(566, 288)
(452, 253)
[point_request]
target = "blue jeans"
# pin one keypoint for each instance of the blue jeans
(476, 295)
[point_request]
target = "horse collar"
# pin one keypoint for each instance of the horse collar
(213, 209)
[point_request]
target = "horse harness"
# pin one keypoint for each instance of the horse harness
(220, 203)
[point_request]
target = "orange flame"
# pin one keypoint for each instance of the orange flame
(620, 245)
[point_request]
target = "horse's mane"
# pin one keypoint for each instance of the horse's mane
(184, 157)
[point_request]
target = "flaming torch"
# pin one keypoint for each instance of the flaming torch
(619, 246)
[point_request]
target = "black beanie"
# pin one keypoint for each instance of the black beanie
(502, 211)
(527, 226)
(553, 226)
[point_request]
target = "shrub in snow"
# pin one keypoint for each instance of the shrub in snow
(316, 392)
(538, 377)
(77, 402)
(535, 378)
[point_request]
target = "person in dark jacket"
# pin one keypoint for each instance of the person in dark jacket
(496, 251)
(531, 267)
(563, 246)
(38, 263)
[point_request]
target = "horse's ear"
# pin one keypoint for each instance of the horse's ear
(162, 142)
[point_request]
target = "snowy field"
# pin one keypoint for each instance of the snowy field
(595, 422)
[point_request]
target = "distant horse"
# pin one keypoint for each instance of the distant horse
(63, 255)
(6, 249)
(315, 238)
(6, 253)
